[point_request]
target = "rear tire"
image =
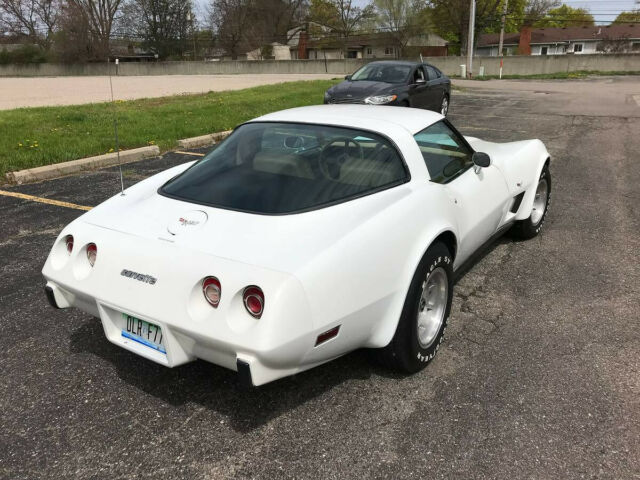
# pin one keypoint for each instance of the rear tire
(425, 314)
(530, 227)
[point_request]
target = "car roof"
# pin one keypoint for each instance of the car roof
(395, 62)
(368, 117)
(408, 63)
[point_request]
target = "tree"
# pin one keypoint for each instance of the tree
(99, 16)
(566, 16)
(230, 20)
(163, 25)
(451, 18)
(274, 18)
(73, 40)
(403, 19)
(610, 44)
(628, 17)
(34, 19)
(343, 17)
(536, 10)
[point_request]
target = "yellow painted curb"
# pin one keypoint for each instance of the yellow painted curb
(204, 140)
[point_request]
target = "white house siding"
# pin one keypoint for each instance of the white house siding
(493, 51)
(282, 52)
(279, 52)
(379, 52)
(588, 46)
(552, 49)
(332, 54)
(366, 52)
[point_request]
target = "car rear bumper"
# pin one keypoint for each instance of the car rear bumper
(256, 364)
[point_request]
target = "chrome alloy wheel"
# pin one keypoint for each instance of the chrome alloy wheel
(432, 307)
(540, 202)
(444, 107)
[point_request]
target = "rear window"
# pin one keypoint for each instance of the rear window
(279, 168)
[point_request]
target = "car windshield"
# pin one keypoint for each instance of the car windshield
(278, 168)
(376, 72)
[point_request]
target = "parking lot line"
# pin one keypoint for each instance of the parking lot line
(191, 153)
(48, 201)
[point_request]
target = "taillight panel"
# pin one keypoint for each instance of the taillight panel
(69, 242)
(212, 290)
(92, 253)
(253, 299)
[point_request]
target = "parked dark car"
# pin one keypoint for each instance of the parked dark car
(408, 84)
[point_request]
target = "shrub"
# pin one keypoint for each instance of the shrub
(23, 54)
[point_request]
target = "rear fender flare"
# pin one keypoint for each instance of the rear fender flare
(385, 330)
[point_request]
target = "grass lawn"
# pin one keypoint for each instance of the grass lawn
(32, 137)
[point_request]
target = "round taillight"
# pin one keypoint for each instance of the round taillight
(92, 253)
(253, 301)
(69, 242)
(212, 290)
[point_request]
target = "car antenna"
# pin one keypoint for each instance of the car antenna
(115, 126)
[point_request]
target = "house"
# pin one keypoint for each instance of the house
(616, 38)
(271, 51)
(130, 50)
(324, 44)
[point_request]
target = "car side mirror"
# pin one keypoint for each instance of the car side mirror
(347, 77)
(481, 160)
(421, 81)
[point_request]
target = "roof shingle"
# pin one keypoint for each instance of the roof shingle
(553, 35)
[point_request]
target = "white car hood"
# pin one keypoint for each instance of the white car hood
(278, 242)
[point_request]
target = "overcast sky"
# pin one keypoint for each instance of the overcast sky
(604, 11)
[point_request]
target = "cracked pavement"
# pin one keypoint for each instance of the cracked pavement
(539, 376)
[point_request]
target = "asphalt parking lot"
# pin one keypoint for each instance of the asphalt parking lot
(539, 376)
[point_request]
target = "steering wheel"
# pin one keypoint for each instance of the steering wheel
(333, 156)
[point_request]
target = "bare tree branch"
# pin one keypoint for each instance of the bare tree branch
(34, 19)
(100, 16)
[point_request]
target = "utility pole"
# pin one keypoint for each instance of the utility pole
(472, 27)
(501, 44)
(504, 20)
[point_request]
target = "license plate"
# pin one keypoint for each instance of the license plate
(146, 333)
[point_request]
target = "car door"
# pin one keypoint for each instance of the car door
(418, 90)
(481, 197)
(435, 88)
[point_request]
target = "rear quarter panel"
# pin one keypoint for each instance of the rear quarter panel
(361, 282)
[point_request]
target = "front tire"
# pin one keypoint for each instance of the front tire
(444, 106)
(425, 314)
(530, 227)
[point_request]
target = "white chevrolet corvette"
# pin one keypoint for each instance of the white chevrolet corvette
(307, 234)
